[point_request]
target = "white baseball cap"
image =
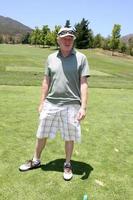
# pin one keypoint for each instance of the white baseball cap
(65, 31)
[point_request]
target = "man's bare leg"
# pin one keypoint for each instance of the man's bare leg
(69, 145)
(40, 144)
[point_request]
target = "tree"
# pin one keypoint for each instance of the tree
(115, 38)
(98, 41)
(1, 39)
(44, 32)
(25, 39)
(68, 24)
(130, 46)
(122, 47)
(56, 30)
(106, 43)
(35, 36)
(49, 39)
(84, 35)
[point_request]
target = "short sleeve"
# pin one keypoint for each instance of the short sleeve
(85, 71)
(47, 71)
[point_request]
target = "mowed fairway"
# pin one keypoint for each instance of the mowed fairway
(102, 163)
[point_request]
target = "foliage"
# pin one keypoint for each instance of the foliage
(84, 35)
(1, 39)
(56, 30)
(67, 24)
(106, 43)
(44, 36)
(44, 32)
(122, 47)
(50, 39)
(130, 44)
(98, 41)
(35, 37)
(13, 32)
(115, 38)
(26, 38)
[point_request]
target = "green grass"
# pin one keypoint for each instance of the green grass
(24, 65)
(104, 159)
(106, 130)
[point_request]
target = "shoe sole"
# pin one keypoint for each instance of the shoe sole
(67, 179)
(25, 170)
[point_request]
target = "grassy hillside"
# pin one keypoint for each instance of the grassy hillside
(24, 65)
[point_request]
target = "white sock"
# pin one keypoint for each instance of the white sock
(36, 160)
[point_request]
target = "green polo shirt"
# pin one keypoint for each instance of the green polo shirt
(65, 73)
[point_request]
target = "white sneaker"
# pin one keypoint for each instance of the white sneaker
(30, 164)
(67, 175)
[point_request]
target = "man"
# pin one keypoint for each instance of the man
(63, 99)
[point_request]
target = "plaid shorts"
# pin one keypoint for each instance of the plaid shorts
(63, 119)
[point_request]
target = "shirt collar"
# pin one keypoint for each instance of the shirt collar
(73, 52)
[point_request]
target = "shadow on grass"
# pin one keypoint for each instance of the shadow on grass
(79, 168)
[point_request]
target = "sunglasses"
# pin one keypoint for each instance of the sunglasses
(65, 32)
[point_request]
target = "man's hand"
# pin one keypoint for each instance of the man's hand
(40, 108)
(81, 114)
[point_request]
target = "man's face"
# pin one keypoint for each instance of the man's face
(66, 43)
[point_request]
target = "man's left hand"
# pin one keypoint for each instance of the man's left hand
(81, 114)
